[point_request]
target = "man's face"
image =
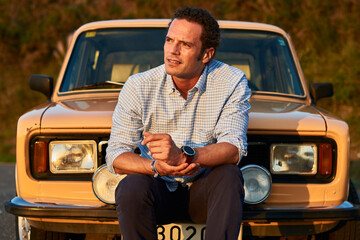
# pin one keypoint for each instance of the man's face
(182, 49)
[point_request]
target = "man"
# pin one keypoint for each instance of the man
(189, 118)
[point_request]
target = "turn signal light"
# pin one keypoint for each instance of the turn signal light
(40, 156)
(325, 159)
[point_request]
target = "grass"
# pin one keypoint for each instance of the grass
(7, 158)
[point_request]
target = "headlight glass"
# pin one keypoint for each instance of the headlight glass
(300, 159)
(104, 184)
(257, 184)
(73, 156)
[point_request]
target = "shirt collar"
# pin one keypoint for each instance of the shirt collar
(200, 85)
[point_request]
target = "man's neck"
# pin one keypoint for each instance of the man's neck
(184, 85)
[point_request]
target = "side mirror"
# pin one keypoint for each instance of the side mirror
(321, 90)
(43, 84)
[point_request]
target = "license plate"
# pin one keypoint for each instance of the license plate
(184, 232)
(181, 232)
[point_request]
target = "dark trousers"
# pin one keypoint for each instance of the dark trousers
(215, 198)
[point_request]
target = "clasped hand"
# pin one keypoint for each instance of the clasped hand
(170, 159)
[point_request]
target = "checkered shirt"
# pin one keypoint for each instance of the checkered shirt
(216, 110)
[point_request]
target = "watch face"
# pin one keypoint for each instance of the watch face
(189, 151)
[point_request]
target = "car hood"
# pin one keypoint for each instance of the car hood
(285, 116)
(79, 114)
(264, 115)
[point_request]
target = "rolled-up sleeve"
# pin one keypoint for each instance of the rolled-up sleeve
(127, 125)
(234, 119)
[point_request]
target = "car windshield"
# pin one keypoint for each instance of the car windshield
(104, 59)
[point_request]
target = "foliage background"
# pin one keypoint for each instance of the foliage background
(33, 36)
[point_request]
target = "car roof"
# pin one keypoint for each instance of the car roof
(161, 23)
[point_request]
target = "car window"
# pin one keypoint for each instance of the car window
(104, 59)
(265, 59)
(101, 59)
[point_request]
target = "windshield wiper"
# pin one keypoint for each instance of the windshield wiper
(99, 84)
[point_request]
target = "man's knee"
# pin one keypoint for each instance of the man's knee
(134, 188)
(227, 174)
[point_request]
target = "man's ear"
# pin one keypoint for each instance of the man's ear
(208, 54)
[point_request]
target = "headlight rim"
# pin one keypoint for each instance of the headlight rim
(268, 174)
(97, 171)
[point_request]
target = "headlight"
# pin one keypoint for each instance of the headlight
(104, 184)
(294, 159)
(257, 184)
(73, 156)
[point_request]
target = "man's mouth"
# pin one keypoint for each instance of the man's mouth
(173, 61)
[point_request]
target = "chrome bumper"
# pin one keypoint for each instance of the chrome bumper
(19, 207)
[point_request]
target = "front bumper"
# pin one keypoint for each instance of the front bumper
(20, 207)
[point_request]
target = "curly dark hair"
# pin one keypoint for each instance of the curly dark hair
(210, 36)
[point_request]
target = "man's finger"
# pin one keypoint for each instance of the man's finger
(160, 144)
(149, 137)
(191, 169)
(166, 169)
(159, 156)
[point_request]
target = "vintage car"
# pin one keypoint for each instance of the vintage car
(296, 171)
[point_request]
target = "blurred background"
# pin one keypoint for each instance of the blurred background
(34, 36)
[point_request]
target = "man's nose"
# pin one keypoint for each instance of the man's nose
(175, 48)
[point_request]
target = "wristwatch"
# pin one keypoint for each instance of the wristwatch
(189, 153)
